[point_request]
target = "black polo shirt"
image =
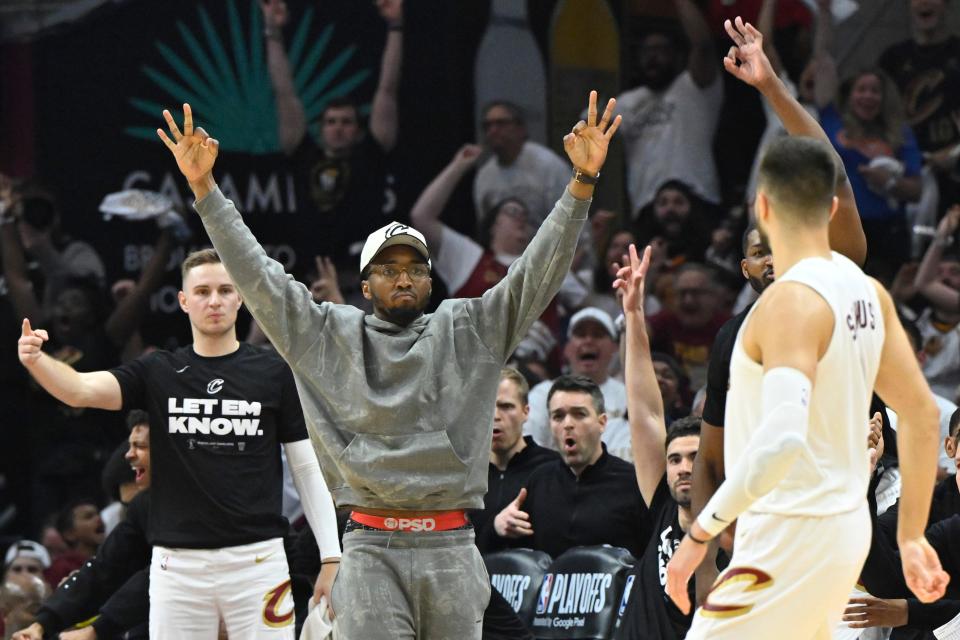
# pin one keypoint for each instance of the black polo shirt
(503, 487)
(601, 506)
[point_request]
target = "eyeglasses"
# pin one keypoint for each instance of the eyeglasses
(497, 122)
(392, 272)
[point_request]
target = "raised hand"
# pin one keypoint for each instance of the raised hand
(949, 223)
(586, 144)
(326, 288)
(391, 10)
(754, 67)
(30, 344)
(631, 280)
(512, 522)
(194, 150)
(275, 13)
(467, 154)
(922, 570)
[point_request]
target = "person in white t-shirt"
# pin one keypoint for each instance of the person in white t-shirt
(591, 346)
(670, 120)
(518, 168)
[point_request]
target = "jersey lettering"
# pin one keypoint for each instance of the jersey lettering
(215, 426)
(238, 423)
(861, 316)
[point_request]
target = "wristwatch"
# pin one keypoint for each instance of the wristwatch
(585, 178)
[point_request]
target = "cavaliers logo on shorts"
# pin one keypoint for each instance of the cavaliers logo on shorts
(272, 600)
(756, 579)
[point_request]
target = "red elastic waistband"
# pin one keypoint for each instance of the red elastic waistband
(413, 523)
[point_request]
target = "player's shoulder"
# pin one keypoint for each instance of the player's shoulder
(883, 296)
(790, 299)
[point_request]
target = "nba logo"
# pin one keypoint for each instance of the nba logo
(544, 594)
(626, 595)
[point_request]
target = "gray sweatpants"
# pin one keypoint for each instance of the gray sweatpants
(423, 586)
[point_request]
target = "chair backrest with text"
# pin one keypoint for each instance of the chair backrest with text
(580, 594)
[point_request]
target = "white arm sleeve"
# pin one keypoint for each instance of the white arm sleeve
(314, 496)
(773, 449)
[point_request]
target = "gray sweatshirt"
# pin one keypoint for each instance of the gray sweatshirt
(400, 417)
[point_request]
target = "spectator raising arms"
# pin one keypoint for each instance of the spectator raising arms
(864, 121)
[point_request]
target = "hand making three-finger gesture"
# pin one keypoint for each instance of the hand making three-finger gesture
(586, 144)
(194, 150)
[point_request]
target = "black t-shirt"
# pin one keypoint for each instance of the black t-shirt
(650, 614)
(718, 371)
(216, 425)
(503, 487)
(342, 200)
(928, 77)
(602, 506)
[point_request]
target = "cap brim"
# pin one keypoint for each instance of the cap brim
(400, 240)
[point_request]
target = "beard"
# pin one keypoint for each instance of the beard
(683, 497)
(402, 316)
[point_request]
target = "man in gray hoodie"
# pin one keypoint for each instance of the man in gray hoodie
(399, 404)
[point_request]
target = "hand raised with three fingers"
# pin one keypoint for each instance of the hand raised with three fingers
(754, 67)
(586, 144)
(194, 150)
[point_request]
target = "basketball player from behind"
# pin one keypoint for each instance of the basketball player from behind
(805, 361)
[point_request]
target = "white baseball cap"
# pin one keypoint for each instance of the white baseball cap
(597, 315)
(27, 549)
(391, 235)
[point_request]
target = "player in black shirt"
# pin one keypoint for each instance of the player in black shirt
(219, 412)
(757, 268)
(664, 478)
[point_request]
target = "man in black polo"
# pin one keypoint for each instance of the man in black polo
(587, 497)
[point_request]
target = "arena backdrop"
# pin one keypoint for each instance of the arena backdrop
(100, 84)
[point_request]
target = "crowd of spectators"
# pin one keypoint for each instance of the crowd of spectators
(562, 448)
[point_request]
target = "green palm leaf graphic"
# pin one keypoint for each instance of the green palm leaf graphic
(224, 77)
